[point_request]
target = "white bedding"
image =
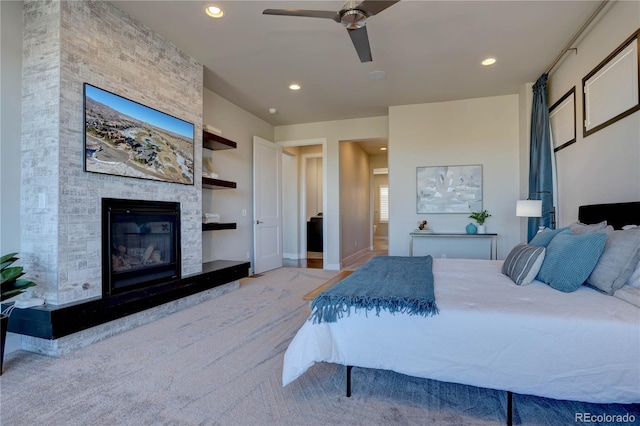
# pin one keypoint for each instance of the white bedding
(581, 346)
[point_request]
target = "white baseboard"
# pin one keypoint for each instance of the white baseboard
(354, 256)
(332, 266)
(294, 256)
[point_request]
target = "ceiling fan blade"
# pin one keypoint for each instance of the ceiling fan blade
(360, 41)
(373, 7)
(306, 13)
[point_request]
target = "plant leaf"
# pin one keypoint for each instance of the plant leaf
(6, 261)
(11, 274)
(10, 290)
(6, 257)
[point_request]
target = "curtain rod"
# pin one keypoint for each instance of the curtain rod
(578, 34)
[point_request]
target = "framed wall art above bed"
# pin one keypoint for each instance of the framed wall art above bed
(449, 189)
(612, 89)
(562, 117)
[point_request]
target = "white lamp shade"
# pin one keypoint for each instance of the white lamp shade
(529, 208)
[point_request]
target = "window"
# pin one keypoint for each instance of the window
(384, 203)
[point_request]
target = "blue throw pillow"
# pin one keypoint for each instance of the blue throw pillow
(570, 259)
(544, 237)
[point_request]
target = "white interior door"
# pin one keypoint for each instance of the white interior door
(267, 205)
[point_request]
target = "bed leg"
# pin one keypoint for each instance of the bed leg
(509, 408)
(349, 367)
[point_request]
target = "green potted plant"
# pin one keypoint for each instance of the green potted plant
(11, 286)
(480, 217)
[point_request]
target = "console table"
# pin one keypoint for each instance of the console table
(456, 243)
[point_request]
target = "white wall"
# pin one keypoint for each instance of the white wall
(525, 108)
(473, 131)
(313, 186)
(235, 165)
(604, 167)
(355, 202)
(10, 134)
(290, 205)
(10, 124)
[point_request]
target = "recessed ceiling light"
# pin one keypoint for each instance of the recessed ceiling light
(213, 11)
(489, 61)
(384, 148)
(377, 75)
(294, 86)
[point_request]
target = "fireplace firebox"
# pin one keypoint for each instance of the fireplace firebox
(140, 244)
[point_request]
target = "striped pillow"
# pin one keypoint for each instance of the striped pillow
(523, 263)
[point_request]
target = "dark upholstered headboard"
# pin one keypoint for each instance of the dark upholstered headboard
(616, 215)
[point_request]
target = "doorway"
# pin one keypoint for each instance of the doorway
(304, 201)
(364, 224)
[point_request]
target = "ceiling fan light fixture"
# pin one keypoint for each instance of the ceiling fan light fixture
(353, 19)
(213, 11)
(353, 16)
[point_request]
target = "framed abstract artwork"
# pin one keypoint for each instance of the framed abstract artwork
(449, 189)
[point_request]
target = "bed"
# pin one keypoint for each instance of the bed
(489, 332)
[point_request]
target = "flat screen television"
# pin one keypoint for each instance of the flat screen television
(125, 138)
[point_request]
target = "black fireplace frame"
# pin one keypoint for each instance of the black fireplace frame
(117, 205)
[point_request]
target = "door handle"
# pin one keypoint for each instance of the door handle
(258, 222)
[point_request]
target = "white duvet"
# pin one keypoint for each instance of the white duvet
(581, 346)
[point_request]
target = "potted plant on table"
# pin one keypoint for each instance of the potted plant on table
(480, 217)
(10, 286)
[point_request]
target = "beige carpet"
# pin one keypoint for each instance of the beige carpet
(220, 363)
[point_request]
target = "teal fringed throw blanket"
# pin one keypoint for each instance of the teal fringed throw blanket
(393, 283)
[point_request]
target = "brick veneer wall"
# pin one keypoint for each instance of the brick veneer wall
(65, 45)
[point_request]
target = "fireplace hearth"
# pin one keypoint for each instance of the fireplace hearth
(140, 244)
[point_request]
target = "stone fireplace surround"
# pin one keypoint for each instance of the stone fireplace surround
(67, 44)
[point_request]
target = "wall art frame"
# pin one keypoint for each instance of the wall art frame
(562, 117)
(611, 90)
(125, 138)
(449, 189)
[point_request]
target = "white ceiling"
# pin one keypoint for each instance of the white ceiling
(431, 51)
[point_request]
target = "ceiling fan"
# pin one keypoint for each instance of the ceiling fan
(352, 15)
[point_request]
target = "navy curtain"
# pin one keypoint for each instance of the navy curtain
(540, 172)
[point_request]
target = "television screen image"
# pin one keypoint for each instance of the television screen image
(125, 138)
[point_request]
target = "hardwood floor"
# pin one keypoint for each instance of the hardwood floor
(314, 259)
(380, 248)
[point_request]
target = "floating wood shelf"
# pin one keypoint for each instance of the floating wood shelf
(216, 142)
(218, 226)
(217, 183)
